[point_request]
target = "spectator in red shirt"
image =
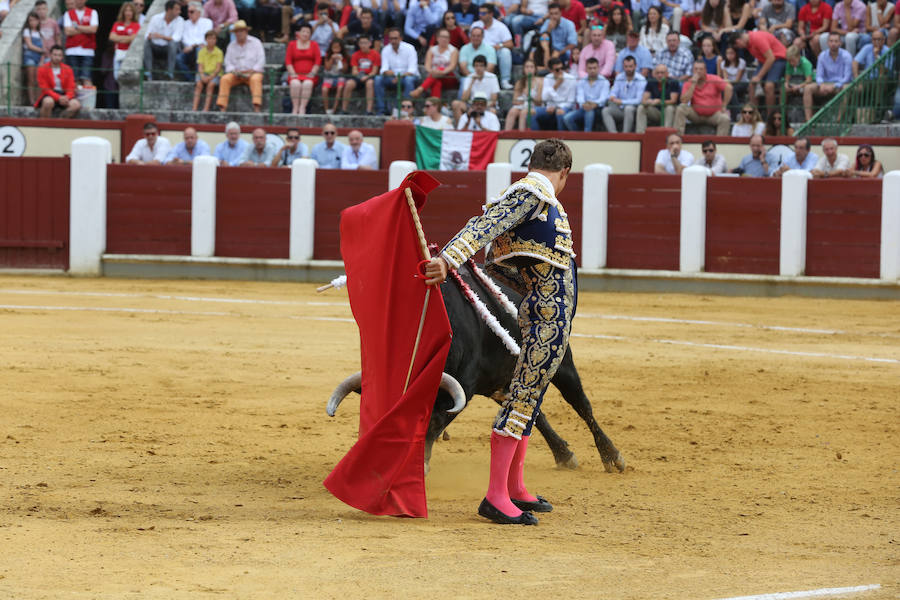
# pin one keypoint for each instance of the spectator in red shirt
(604, 11)
(57, 83)
(704, 100)
(123, 32)
(573, 10)
(814, 20)
(772, 58)
(365, 64)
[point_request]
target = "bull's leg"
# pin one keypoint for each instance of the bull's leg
(440, 419)
(568, 383)
(564, 457)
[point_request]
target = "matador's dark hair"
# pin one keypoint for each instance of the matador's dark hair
(551, 155)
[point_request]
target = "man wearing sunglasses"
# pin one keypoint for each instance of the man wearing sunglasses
(498, 36)
(711, 159)
(292, 150)
(328, 152)
(151, 149)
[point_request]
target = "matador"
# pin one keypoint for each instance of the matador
(531, 250)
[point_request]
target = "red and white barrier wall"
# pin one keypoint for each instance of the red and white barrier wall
(684, 226)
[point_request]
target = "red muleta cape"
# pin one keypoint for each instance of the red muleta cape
(383, 473)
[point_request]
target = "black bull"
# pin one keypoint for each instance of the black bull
(482, 365)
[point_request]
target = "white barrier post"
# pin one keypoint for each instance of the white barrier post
(499, 176)
(594, 215)
(203, 206)
(692, 250)
(890, 226)
(303, 209)
(397, 171)
(792, 251)
(87, 205)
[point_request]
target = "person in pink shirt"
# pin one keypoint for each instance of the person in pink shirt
(772, 58)
(600, 48)
(850, 22)
(223, 14)
(704, 100)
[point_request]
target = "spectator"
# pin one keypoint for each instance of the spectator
(771, 56)
(866, 165)
(328, 153)
(733, 69)
(659, 101)
(57, 83)
(80, 26)
(364, 65)
(627, 93)
(870, 53)
(526, 97)
(601, 49)
(433, 119)
(798, 73)
(715, 23)
(573, 10)
(223, 14)
(480, 81)
(741, 12)
(231, 151)
(151, 149)
(802, 159)
(850, 23)
(678, 60)
(475, 47)
(478, 117)
(709, 55)
(139, 9)
(266, 18)
(399, 66)
(497, 35)
(704, 100)
(422, 18)
(364, 26)
(260, 153)
(814, 20)
(123, 32)
(357, 8)
(756, 164)
(465, 12)
(591, 96)
(526, 15)
(337, 66)
(245, 60)
(575, 56)
(163, 38)
(558, 35)
(440, 64)
(831, 164)
(602, 13)
(193, 38)
(5, 7)
(778, 18)
(458, 36)
(833, 71)
(712, 160)
(392, 13)
(210, 60)
(881, 15)
(641, 55)
(405, 112)
(32, 54)
(654, 31)
(749, 123)
(617, 28)
(50, 32)
(185, 152)
(672, 159)
(686, 18)
(302, 60)
(640, 11)
(557, 98)
(668, 10)
(359, 155)
(773, 125)
(323, 29)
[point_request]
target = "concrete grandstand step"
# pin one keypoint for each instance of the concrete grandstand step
(275, 52)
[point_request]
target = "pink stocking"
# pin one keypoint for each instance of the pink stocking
(502, 450)
(516, 482)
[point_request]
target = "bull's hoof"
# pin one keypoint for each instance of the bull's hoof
(567, 463)
(616, 464)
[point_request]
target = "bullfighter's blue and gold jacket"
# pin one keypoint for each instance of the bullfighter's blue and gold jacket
(526, 220)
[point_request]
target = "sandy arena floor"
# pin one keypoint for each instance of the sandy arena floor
(168, 439)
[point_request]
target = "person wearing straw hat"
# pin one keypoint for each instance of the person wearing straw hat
(531, 249)
(245, 60)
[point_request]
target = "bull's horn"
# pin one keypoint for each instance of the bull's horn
(351, 384)
(452, 387)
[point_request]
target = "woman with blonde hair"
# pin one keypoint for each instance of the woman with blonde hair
(123, 32)
(750, 122)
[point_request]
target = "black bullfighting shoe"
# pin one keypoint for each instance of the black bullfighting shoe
(540, 506)
(489, 511)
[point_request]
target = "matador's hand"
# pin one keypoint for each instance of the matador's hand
(436, 271)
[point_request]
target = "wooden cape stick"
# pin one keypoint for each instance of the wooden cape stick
(427, 256)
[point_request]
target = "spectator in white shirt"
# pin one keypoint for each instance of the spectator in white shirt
(164, 39)
(712, 160)
(672, 159)
(480, 81)
(557, 98)
(152, 150)
(498, 36)
(433, 119)
(831, 164)
(399, 63)
(193, 37)
(479, 118)
(359, 155)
